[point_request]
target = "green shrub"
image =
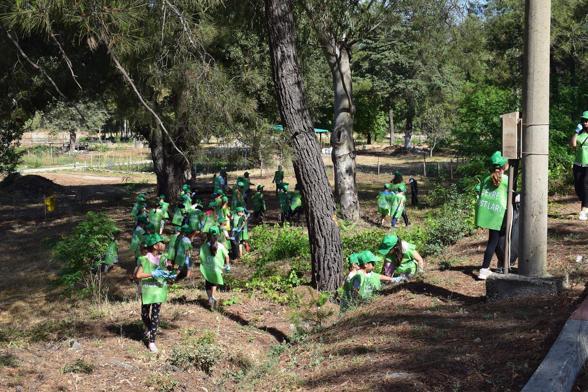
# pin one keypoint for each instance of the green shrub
(201, 353)
(161, 382)
(78, 366)
(80, 251)
(274, 243)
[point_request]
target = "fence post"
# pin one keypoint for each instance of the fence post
(378, 165)
(424, 165)
(451, 169)
(438, 169)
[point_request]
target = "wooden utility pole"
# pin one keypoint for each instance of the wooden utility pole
(533, 234)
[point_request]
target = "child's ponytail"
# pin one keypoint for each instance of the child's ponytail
(213, 244)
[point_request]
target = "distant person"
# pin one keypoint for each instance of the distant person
(414, 191)
(491, 208)
(278, 178)
(259, 206)
(384, 200)
(398, 185)
(579, 142)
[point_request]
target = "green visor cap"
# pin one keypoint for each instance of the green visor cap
(152, 239)
(260, 187)
(186, 187)
(186, 229)
(366, 257)
(214, 230)
(389, 242)
(162, 196)
(225, 199)
(497, 160)
(353, 259)
(240, 184)
(239, 209)
(584, 115)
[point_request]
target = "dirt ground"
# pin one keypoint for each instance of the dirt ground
(435, 334)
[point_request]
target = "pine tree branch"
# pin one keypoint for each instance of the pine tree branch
(65, 58)
(128, 79)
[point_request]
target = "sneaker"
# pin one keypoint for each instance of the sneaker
(146, 336)
(152, 347)
(484, 273)
(212, 303)
(227, 268)
(583, 215)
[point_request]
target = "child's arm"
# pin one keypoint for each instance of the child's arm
(139, 274)
(419, 260)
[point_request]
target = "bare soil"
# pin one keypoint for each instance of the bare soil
(435, 334)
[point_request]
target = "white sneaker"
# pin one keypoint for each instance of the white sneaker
(583, 215)
(484, 273)
(212, 302)
(152, 347)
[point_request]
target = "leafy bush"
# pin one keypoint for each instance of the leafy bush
(277, 243)
(78, 366)
(161, 382)
(80, 251)
(201, 353)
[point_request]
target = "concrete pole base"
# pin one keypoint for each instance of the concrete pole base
(500, 286)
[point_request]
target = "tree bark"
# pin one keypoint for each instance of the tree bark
(391, 125)
(410, 113)
(343, 146)
(72, 145)
(319, 206)
(169, 166)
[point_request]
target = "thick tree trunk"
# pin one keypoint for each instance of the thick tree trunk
(343, 153)
(169, 166)
(391, 125)
(72, 145)
(319, 207)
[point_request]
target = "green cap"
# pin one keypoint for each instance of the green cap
(162, 196)
(240, 184)
(285, 185)
(186, 229)
(225, 199)
(389, 242)
(366, 257)
(214, 230)
(388, 186)
(212, 204)
(239, 209)
(585, 115)
(497, 160)
(151, 239)
(260, 187)
(222, 219)
(186, 187)
(353, 259)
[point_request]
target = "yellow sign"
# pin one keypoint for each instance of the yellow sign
(49, 203)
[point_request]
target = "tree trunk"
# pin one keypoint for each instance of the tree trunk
(169, 166)
(343, 153)
(369, 138)
(391, 125)
(72, 140)
(410, 113)
(319, 206)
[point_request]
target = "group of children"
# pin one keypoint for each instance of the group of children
(398, 262)
(392, 201)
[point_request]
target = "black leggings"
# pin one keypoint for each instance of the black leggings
(491, 247)
(151, 323)
(581, 184)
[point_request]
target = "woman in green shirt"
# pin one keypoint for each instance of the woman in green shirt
(213, 256)
(579, 141)
(491, 208)
(153, 275)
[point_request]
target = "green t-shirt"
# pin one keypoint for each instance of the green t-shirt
(155, 217)
(491, 204)
(211, 266)
(136, 240)
(219, 183)
(178, 217)
(582, 149)
(384, 200)
(111, 255)
(164, 209)
(239, 227)
(153, 291)
(295, 200)
(397, 205)
(284, 200)
(183, 246)
(367, 284)
(278, 177)
(170, 250)
(258, 202)
(237, 199)
(408, 264)
(400, 187)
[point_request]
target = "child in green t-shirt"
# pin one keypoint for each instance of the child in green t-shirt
(384, 201)
(397, 207)
(401, 258)
(259, 206)
(239, 232)
(153, 275)
(278, 179)
(366, 282)
(183, 247)
(284, 200)
(213, 256)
